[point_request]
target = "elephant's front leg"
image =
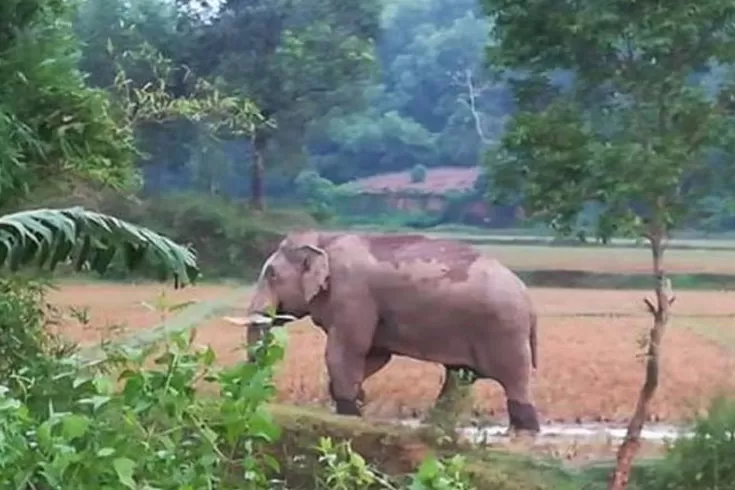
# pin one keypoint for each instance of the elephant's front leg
(345, 357)
(374, 362)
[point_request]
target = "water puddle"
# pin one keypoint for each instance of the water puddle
(497, 433)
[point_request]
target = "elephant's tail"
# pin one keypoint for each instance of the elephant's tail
(532, 340)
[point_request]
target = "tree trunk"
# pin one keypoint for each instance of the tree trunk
(256, 172)
(660, 312)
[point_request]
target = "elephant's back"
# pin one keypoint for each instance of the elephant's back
(416, 252)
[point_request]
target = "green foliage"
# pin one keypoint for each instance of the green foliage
(418, 174)
(52, 127)
(632, 132)
(230, 240)
(154, 101)
(101, 24)
(25, 341)
(449, 474)
(319, 194)
(285, 73)
(66, 425)
(284, 69)
(49, 236)
(704, 461)
(373, 141)
(341, 468)
(420, 112)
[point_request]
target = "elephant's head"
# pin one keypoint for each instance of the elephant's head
(289, 280)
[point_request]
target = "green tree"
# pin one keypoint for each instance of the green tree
(434, 103)
(53, 128)
(137, 51)
(297, 60)
(154, 100)
(126, 25)
(632, 133)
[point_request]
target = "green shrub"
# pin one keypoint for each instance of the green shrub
(704, 461)
(30, 354)
(230, 239)
(319, 195)
(418, 173)
(155, 431)
(24, 338)
(342, 468)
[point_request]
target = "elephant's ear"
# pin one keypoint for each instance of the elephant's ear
(316, 271)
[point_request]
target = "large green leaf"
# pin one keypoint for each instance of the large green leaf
(89, 240)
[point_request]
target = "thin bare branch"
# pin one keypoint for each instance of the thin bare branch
(473, 92)
(650, 305)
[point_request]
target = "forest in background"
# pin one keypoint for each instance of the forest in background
(212, 105)
(345, 90)
(336, 92)
(384, 87)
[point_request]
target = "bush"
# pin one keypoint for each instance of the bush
(30, 354)
(24, 338)
(318, 193)
(704, 461)
(230, 239)
(418, 173)
(155, 431)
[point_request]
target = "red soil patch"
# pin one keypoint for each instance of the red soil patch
(439, 180)
(588, 366)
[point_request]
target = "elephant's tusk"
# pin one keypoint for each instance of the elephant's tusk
(258, 319)
(279, 320)
(239, 321)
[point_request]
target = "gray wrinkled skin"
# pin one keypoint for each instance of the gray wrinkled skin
(430, 299)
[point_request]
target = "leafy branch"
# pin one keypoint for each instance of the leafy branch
(89, 239)
(154, 101)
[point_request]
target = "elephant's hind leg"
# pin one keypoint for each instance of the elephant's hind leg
(515, 379)
(523, 416)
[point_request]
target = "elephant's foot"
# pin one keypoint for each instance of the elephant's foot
(523, 417)
(347, 407)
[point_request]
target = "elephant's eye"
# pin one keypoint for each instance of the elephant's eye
(270, 272)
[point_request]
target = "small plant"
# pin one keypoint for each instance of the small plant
(437, 474)
(341, 468)
(707, 459)
(164, 306)
(344, 469)
(418, 173)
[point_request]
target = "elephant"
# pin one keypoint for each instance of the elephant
(431, 299)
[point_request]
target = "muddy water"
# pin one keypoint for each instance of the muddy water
(497, 433)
